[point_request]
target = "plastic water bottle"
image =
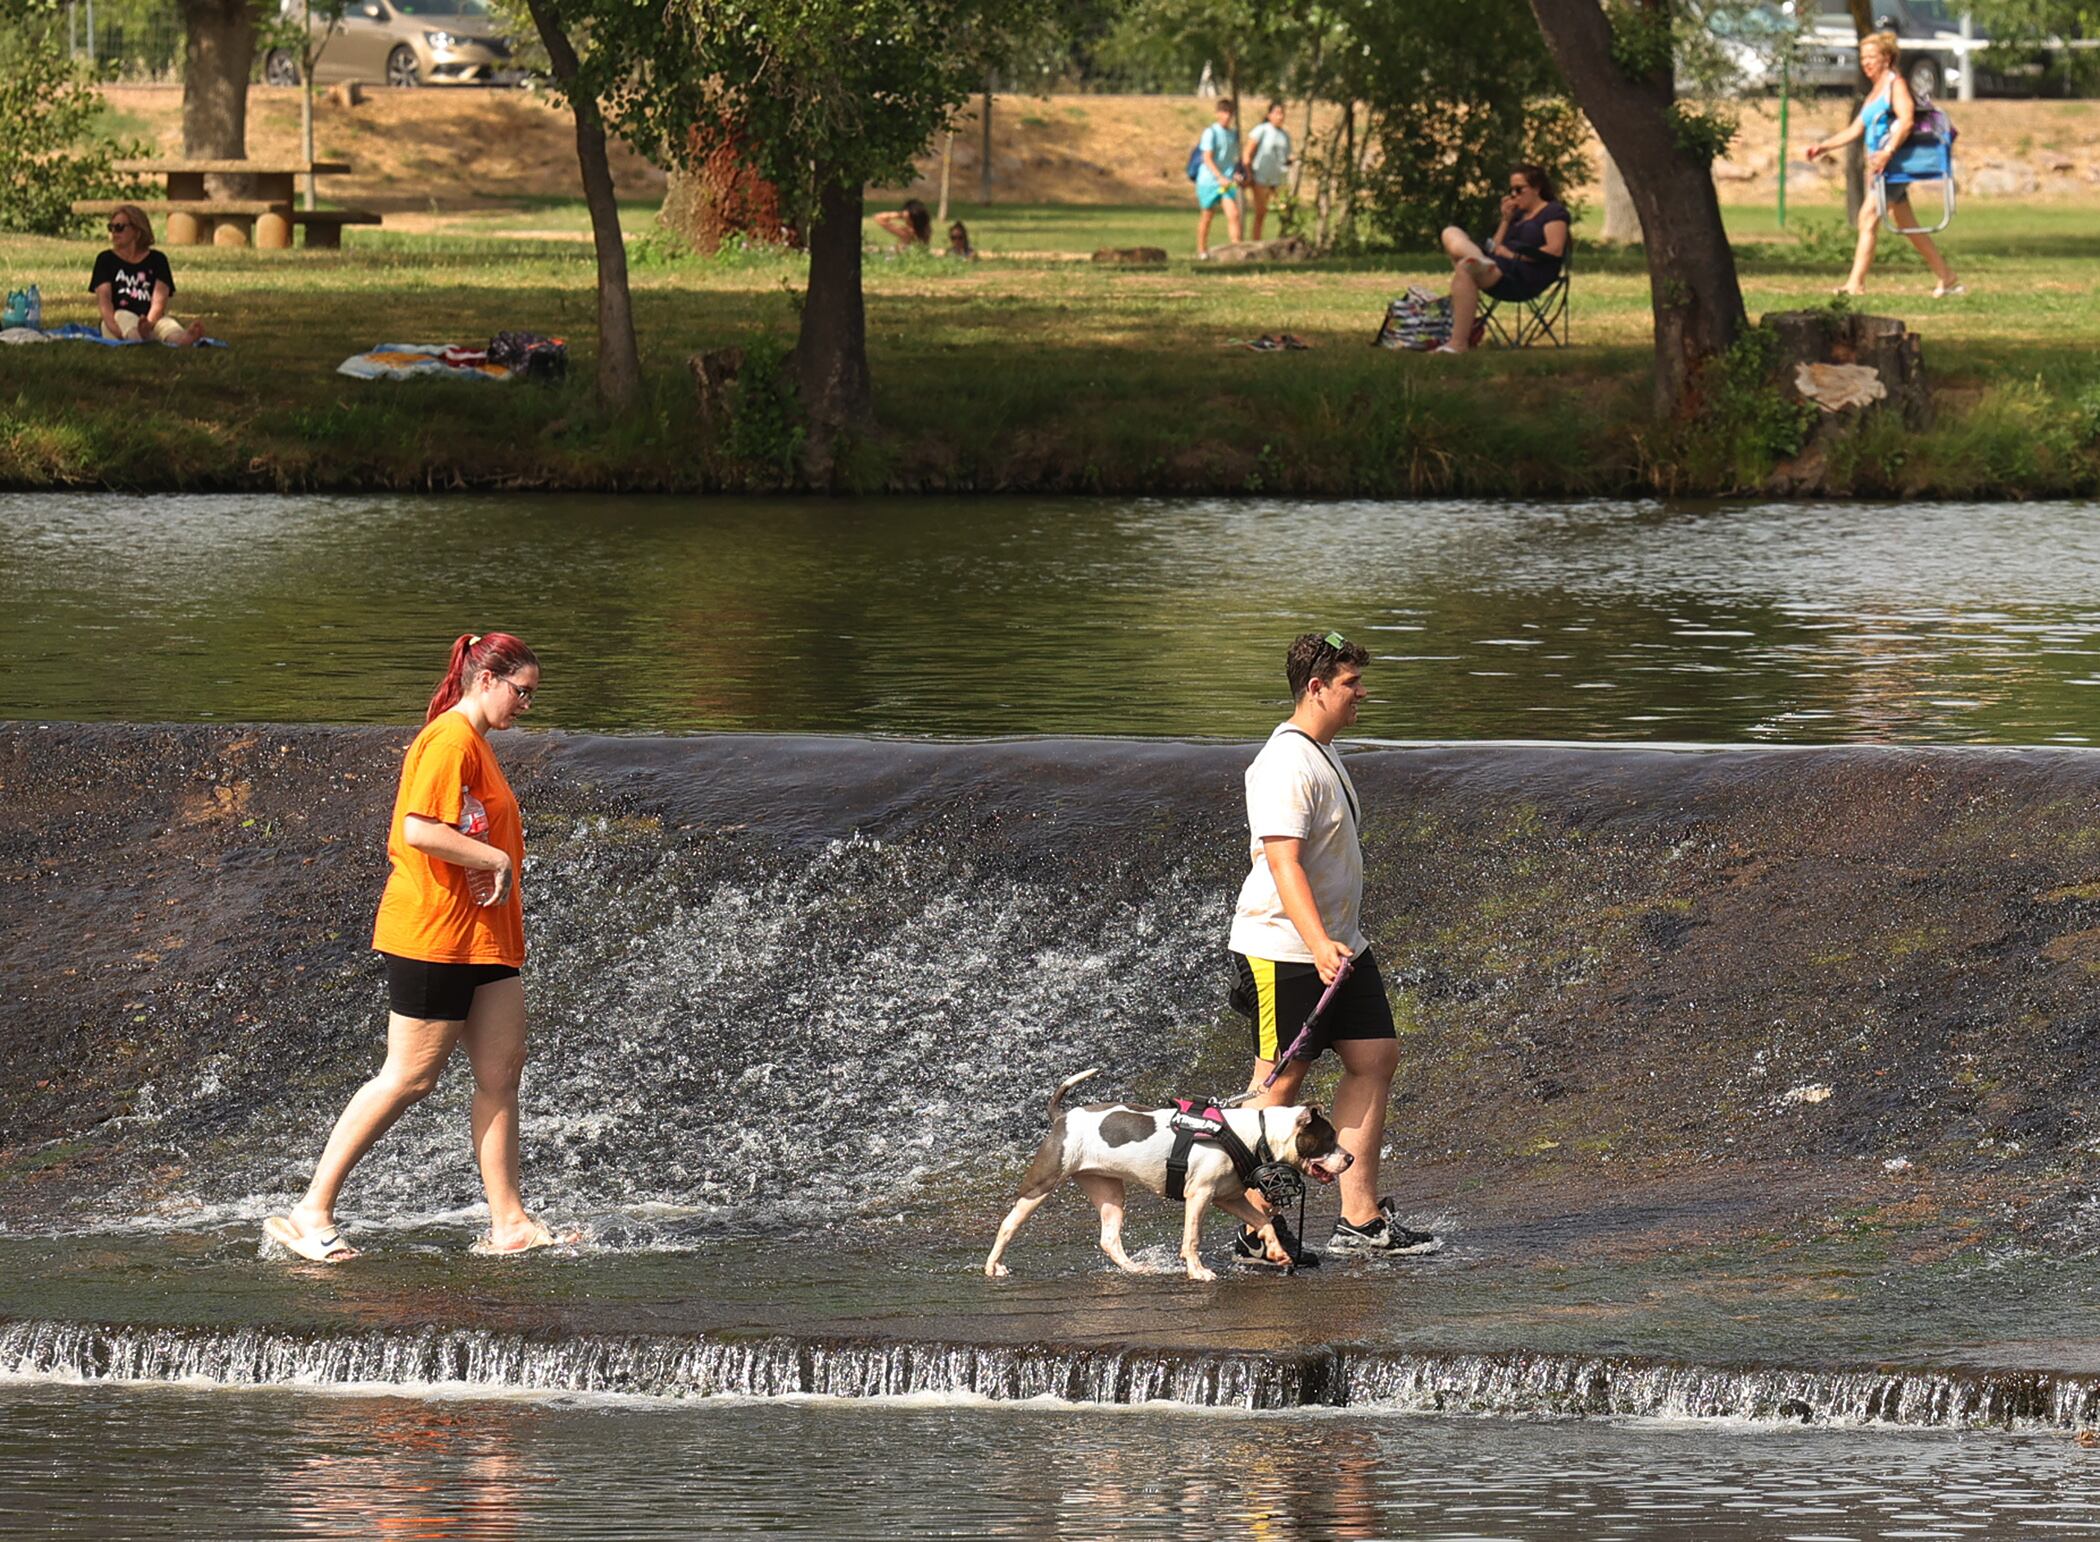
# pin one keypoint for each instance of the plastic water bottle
(474, 821)
(36, 308)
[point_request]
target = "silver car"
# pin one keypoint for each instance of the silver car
(400, 43)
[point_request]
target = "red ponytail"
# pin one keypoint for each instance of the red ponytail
(497, 651)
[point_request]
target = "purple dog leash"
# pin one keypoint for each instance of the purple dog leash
(1297, 1044)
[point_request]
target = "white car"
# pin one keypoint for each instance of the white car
(398, 43)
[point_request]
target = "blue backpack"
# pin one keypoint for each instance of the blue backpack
(1196, 161)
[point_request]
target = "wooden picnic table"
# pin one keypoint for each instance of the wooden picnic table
(273, 181)
(195, 217)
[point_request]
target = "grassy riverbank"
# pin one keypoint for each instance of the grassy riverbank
(1029, 370)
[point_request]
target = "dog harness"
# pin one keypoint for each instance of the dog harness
(1253, 1167)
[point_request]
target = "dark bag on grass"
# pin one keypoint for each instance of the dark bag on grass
(530, 355)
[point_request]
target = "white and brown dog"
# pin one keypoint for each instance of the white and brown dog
(1107, 1145)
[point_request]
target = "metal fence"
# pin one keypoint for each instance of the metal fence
(130, 39)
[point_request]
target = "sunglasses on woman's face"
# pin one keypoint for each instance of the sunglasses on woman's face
(118, 227)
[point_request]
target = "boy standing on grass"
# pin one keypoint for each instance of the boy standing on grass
(1298, 922)
(1215, 184)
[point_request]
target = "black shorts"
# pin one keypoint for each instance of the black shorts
(1276, 999)
(441, 992)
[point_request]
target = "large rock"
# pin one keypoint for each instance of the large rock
(2001, 181)
(1288, 249)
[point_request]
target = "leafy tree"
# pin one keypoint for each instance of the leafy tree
(1248, 47)
(292, 30)
(1455, 94)
(218, 54)
(2028, 26)
(51, 150)
(823, 97)
(616, 46)
(1619, 58)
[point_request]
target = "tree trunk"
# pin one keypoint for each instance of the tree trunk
(830, 361)
(1697, 302)
(984, 146)
(1305, 139)
(1856, 152)
(619, 359)
(940, 215)
(1622, 222)
(218, 51)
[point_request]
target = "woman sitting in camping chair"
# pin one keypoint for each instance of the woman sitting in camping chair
(1886, 121)
(1522, 258)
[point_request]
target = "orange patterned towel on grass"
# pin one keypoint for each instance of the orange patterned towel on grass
(411, 361)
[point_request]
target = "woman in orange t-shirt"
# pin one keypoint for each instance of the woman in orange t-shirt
(451, 928)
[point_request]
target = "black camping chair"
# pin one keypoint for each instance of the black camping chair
(1542, 318)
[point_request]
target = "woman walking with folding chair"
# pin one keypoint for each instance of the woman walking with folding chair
(1886, 121)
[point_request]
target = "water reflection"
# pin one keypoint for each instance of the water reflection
(1939, 623)
(165, 1462)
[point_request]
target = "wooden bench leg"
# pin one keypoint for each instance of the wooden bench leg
(230, 230)
(273, 232)
(324, 233)
(183, 229)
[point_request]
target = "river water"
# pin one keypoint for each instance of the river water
(797, 1001)
(1941, 623)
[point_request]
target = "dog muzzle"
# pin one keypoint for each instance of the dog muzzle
(1279, 1182)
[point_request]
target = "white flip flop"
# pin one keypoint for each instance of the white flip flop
(485, 1245)
(327, 1247)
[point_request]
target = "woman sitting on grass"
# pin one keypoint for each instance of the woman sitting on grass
(132, 283)
(1885, 120)
(911, 225)
(1522, 259)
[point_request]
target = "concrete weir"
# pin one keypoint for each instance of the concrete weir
(1747, 982)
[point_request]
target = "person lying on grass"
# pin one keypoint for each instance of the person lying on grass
(1522, 259)
(911, 225)
(133, 283)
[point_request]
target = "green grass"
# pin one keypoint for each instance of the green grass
(1027, 370)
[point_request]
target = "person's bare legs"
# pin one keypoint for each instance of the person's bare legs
(495, 1045)
(1261, 207)
(1359, 1119)
(1203, 229)
(1460, 247)
(1232, 217)
(1288, 1081)
(1863, 253)
(416, 1051)
(1465, 305)
(1359, 1113)
(1931, 253)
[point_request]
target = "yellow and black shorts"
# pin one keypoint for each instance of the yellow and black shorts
(1277, 998)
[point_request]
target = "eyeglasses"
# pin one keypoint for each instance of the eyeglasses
(117, 227)
(524, 692)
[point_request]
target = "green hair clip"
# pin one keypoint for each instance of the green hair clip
(1336, 641)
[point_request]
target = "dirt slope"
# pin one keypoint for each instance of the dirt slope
(432, 150)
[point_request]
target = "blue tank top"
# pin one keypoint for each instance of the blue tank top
(1880, 115)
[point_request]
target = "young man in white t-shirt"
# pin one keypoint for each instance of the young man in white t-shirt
(1297, 920)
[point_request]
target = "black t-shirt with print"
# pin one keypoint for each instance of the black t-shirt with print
(131, 283)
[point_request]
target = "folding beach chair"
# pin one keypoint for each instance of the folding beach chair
(1926, 156)
(1542, 318)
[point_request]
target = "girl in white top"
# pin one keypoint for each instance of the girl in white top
(1268, 154)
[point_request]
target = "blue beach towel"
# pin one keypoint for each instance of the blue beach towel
(78, 332)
